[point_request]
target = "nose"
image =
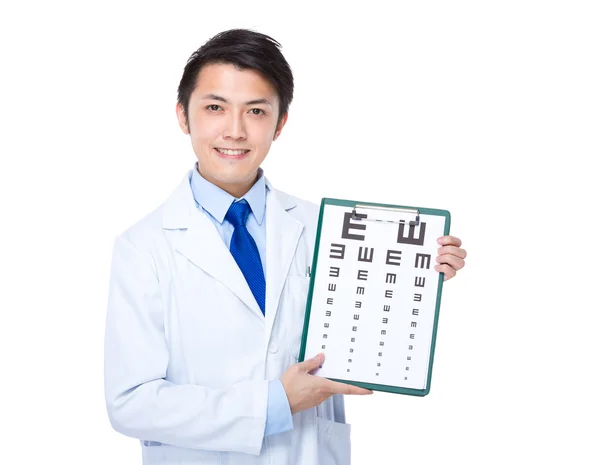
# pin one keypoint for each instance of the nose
(235, 128)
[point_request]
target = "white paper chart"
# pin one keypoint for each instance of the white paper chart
(375, 292)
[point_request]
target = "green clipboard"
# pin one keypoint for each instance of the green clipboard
(352, 205)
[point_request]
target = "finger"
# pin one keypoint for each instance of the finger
(342, 388)
(448, 271)
(452, 260)
(449, 240)
(452, 250)
(312, 363)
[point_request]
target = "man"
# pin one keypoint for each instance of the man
(208, 292)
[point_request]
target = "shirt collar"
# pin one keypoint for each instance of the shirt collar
(216, 201)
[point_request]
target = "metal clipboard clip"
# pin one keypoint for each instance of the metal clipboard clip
(415, 212)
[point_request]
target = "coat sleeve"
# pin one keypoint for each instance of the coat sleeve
(140, 402)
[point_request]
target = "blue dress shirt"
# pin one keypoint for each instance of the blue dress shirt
(214, 203)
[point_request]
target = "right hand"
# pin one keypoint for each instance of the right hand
(305, 390)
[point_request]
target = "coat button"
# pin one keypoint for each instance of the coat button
(273, 347)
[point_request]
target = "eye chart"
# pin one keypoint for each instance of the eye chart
(374, 295)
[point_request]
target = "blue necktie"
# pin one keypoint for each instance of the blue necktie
(245, 252)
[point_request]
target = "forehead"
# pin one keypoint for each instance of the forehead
(230, 82)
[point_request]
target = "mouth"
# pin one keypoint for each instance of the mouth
(231, 153)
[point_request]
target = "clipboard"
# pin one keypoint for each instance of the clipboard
(376, 324)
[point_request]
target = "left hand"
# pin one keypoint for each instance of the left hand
(451, 257)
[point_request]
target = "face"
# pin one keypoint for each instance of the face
(232, 121)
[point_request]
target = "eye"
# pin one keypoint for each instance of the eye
(257, 111)
(214, 107)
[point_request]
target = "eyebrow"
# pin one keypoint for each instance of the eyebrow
(257, 101)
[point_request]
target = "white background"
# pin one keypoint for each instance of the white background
(487, 109)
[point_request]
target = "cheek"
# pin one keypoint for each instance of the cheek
(266, 136)
(203, 125)
(263, 146)
(203, 134)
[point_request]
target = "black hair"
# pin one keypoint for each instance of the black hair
(245, 49)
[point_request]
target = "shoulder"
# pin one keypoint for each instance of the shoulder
(304, 210)
(146, 232)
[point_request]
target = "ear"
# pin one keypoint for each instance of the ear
(181, 118)
(280, 126)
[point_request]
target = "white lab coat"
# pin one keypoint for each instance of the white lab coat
(188, 353)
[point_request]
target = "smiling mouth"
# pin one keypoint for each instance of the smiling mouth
(232, 153)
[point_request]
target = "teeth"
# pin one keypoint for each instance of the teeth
(232, 152)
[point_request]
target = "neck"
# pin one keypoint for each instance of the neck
(237, 190)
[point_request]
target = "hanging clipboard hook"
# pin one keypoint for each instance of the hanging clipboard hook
(389, 209)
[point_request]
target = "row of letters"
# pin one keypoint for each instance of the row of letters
(390, 278)
(366, 254)
(401, 238)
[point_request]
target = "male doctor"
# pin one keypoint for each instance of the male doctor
(208, 292)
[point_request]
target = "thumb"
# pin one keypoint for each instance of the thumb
(312, 363)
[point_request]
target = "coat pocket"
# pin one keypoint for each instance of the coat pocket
(155, 453)
(334, 442)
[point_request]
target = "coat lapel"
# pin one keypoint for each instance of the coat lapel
(202, 245)
(283, 234)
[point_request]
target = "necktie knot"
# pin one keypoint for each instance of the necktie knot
(238, 213)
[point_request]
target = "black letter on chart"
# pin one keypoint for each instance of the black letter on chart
(347, 226)
(419, 281)
(360, 290)
(418, 297)
(362, 275)
(334, 271)
(411, 234)
(392, 257)
(423, 257)
(365, 256)
(390, 278)
(331, 286)
(337, 251)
